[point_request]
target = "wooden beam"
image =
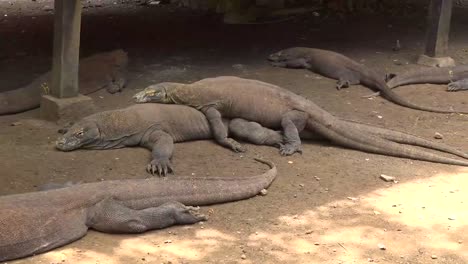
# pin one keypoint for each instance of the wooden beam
(438, 28)
(67, 26)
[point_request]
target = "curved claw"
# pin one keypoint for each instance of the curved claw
(289, 149)
(160, 167)
(453, 87)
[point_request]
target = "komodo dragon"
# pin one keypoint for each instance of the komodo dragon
(36, 222)
(275, 107)
(156, 127)
(101, 70)
(456, 78)
(345, 70)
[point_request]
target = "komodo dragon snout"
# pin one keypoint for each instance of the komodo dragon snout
(155, 93)
(78, 135)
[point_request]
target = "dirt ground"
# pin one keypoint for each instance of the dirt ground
(326, 206)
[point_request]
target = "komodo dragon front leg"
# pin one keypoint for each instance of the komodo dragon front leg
(161, 145)
(116, 81)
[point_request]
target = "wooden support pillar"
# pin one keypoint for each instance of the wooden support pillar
(438, 28)
(67, 26)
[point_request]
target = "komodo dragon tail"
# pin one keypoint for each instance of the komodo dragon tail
(22, 99)
(344, 134)
(385, 91)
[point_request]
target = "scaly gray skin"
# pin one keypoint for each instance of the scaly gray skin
(275, 107)
(456, 78)
(102, 70)
(37, 222)
(156, 127)
(345, 70)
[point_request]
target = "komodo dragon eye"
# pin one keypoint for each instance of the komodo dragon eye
(79, 133)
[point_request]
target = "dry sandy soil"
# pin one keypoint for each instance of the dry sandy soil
(326, 206)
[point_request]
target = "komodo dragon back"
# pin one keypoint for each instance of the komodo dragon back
(101, 70)
(36, 222)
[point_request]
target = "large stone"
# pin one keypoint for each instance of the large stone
(435, 62)
(65, 110)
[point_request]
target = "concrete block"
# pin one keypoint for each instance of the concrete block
(65, 110)
(435, 62)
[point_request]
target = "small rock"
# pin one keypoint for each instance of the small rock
(308, 232)
(452, 217)
(168, 241)
(434, 257)
(316, 243)
(316, 178)
(290, 162)
(438, 135)
(263, 192)
(301, 185)
(154, 2)
(47, 8)
(460, 241)
(16, 124)
(243, 256)
(387, 178)
(376, 212)
(352, 198)
(382, 246)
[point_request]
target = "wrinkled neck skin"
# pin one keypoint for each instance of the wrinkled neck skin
(187, 95)
(121, 142)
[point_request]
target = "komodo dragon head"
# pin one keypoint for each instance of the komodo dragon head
(290, 58)
(79, 135)
(283, 55)
(156, 93)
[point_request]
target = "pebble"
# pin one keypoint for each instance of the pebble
(16, 124)
(382, 246)
(387, 178)
(263, 192)
(437, 135)
(243, 256)
(434, 257)
(452, 217)
(47, 8)
(290, 162)
(168, 241)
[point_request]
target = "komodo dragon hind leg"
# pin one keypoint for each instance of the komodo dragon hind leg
(111, 216)
(220, 132)
(292, 123)
(458, 86)
(346, 79)
(255, 133)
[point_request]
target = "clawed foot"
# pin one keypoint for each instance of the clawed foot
(187, 214)
(113, 88)
(234, 145)
(342, 84)
(289, 149)
(454, 87)
(161, 167)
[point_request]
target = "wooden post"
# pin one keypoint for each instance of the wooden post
(438, 28)
(67, 25)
